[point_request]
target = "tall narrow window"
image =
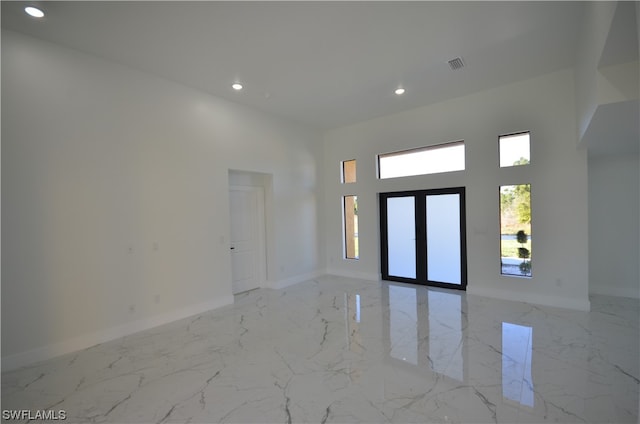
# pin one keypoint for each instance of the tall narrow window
(514, 149)
(515, 230)
(349, 171)
(351, 247)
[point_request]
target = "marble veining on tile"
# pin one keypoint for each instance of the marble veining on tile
(337, 350)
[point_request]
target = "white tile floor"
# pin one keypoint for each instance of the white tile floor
(342, 350)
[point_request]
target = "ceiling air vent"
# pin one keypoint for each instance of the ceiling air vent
(456, 63)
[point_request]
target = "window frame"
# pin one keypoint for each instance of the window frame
(343, 173)
(529, 235)
(345, 236)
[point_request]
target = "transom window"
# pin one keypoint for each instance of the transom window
(514, 150)
(424, 160)
(349, 171)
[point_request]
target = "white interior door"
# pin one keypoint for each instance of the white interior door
(247, 238)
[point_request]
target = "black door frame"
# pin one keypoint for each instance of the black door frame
(420, 197)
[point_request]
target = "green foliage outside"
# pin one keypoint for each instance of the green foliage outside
(509, 248)
(521, 161)
(524, 253)
(356, 241)
(515, 209)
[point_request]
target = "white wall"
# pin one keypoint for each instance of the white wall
(101, 164)
(596, 25)
(614, 225)
(558, 176)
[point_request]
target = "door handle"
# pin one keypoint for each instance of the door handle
(232, 248)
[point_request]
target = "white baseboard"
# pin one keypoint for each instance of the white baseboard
(280, 284)
(555, 301)
(18, 360)
(369, 276)
(615, 291)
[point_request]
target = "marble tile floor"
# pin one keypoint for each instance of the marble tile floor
(337, 350)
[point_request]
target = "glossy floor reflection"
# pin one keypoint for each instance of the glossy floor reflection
(343, 350)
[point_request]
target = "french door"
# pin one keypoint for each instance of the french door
(423, 237)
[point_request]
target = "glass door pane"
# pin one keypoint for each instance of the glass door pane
(443, 238)
(401, 236)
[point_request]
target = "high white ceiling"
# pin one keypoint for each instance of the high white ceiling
(324, 64)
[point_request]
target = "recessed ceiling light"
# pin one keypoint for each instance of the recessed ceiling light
(34, 11)
(236, 86)
(399, 91)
